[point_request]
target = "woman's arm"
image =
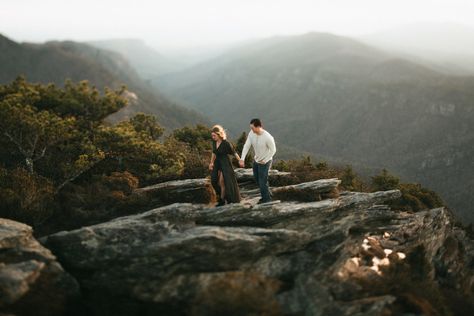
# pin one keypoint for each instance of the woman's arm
(232, 151)
(211, 164)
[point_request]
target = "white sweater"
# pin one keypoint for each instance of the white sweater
(263, 146)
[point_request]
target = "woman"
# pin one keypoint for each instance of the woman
(222, 173)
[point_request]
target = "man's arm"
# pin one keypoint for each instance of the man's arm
(271, 145)
(245, 150)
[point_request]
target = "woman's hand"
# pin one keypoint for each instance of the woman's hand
(211, 166)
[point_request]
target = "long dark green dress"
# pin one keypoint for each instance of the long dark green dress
(223, 163)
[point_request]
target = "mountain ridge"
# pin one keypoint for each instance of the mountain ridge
(328, 98)
(56, 61)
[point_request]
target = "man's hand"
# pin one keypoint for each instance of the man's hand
(241, 163)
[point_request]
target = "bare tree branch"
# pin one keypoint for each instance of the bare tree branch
(13, 140)
(75, 176)
(41, 155)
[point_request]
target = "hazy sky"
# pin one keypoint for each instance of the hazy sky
(179, 23)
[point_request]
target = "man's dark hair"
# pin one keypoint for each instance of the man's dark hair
(256, 122)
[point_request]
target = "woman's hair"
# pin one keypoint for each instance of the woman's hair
(219, 130)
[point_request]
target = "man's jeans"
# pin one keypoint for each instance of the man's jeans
(260, 173)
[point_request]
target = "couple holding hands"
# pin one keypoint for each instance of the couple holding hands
(223, 177)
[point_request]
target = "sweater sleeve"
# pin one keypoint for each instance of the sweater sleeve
(246, 148)
(271, 145)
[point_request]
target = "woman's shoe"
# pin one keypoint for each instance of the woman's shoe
(220, 202)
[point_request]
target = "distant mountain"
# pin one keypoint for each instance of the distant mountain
(57, 61)
(447, 47)
(337, 97)
(147, 61)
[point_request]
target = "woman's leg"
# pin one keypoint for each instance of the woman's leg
(215, 181)
(222, 185)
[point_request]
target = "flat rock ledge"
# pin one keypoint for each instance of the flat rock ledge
(201, 191)
(187, 191)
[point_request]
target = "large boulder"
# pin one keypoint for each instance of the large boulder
(134, 264)
(32, 282)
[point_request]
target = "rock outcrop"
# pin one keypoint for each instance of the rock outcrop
(334, 253)
(347, 255)
(308, 191)
(190, 191)
(275, 177)
(32, 282)
(200, 190)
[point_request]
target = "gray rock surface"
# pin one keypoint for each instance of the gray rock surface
(274, 176)
(350, 255)
(32, 282)
(346, 255)
(307, 191)
(189, 190)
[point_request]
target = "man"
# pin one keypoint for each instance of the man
(264, 147)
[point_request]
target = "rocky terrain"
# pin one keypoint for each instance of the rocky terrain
(315, 251)
(32, 282)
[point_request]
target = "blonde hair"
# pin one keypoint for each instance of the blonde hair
(219, 130)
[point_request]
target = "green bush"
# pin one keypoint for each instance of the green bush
(350, 180)
(305, 170)
(102, 198)
(385, 181)
(198, 137)
(59, 151)
(25, 197)
(414, 197)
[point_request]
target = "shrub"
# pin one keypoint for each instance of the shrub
(104, 197)
(25, 196)
(121, 182)
(416, 198)
(198, 137)
(350, 180)
(385, 181)
(304, 170)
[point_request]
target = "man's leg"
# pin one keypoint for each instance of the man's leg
(263, 181)
(255, 172)
(256, 167)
